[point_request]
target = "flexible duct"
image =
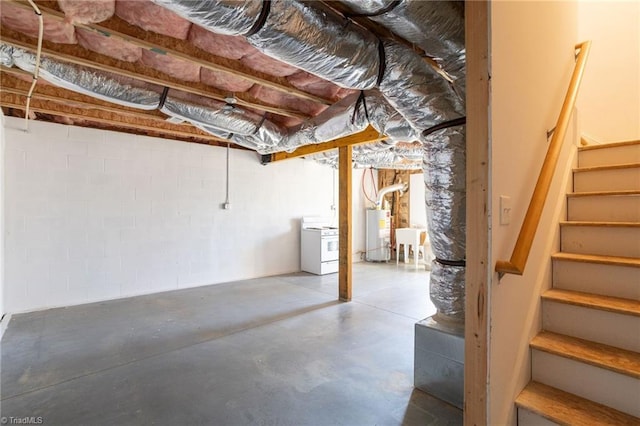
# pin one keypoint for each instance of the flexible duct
(6, 55)
(243, 127)
(351, 115)
(81, 80)
(437, 27)
(265, 135)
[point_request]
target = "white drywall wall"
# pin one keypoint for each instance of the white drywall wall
(94, 215)
(609, 100)
(531, 64)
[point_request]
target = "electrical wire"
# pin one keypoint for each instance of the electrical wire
(373, 182)
(364, 191)
(226, 201)
(36, 10)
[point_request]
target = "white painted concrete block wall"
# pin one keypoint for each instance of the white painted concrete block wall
(94, 215)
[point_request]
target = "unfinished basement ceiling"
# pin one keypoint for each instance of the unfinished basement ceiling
(199, 76)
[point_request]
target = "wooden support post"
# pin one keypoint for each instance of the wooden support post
(478, 272)
(345, 279)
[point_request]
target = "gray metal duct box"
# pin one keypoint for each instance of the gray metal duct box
(439, 361)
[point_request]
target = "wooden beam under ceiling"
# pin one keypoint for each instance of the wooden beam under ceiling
(178, 49)
(80, 56)
(368, 135)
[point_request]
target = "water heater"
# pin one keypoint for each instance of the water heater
(378, 235)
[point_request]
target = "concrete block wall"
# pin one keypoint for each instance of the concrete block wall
(93, 215)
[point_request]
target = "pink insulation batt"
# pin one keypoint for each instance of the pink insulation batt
(87, 11)
(274, 97)
(26, 22)
(226, 46)
(177, 68)
(151, 17)
(109, 46)
(267, 65)
(224, 81)
(314, 85)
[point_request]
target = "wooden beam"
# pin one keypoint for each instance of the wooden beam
(345, 276)
(78, 55)
(179, 49)
(58, 108)
(478, 271)
(368, 135)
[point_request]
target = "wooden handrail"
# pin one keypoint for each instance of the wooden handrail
(522, 248)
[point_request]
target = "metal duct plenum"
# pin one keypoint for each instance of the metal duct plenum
(103, 86)
(309, 36)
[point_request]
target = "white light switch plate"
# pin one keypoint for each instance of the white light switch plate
(505, 210)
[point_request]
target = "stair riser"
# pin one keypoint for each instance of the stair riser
(596, 384)
(609, 156)
(528, 418)
(604, 208)
(611, 280)
(599, 326)
(607, 180)
(601, 240)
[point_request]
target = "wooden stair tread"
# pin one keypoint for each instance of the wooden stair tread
(596, 223)
(612, 167)
(596, 301)
(592, 258)
(608, 145)
(611, 358)
(566, 408)
(598, 193)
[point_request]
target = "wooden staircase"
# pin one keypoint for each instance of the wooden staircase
(586, 361)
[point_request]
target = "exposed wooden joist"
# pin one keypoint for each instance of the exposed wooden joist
(179, 49)
(58, 108)
(345, 276)
(368, 135)
(479, 271)
(80, 56)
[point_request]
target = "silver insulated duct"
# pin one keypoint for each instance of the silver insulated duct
(437, 27)
(82, 80)
(311, 37)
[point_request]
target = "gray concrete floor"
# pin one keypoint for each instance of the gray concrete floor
(270, 351)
